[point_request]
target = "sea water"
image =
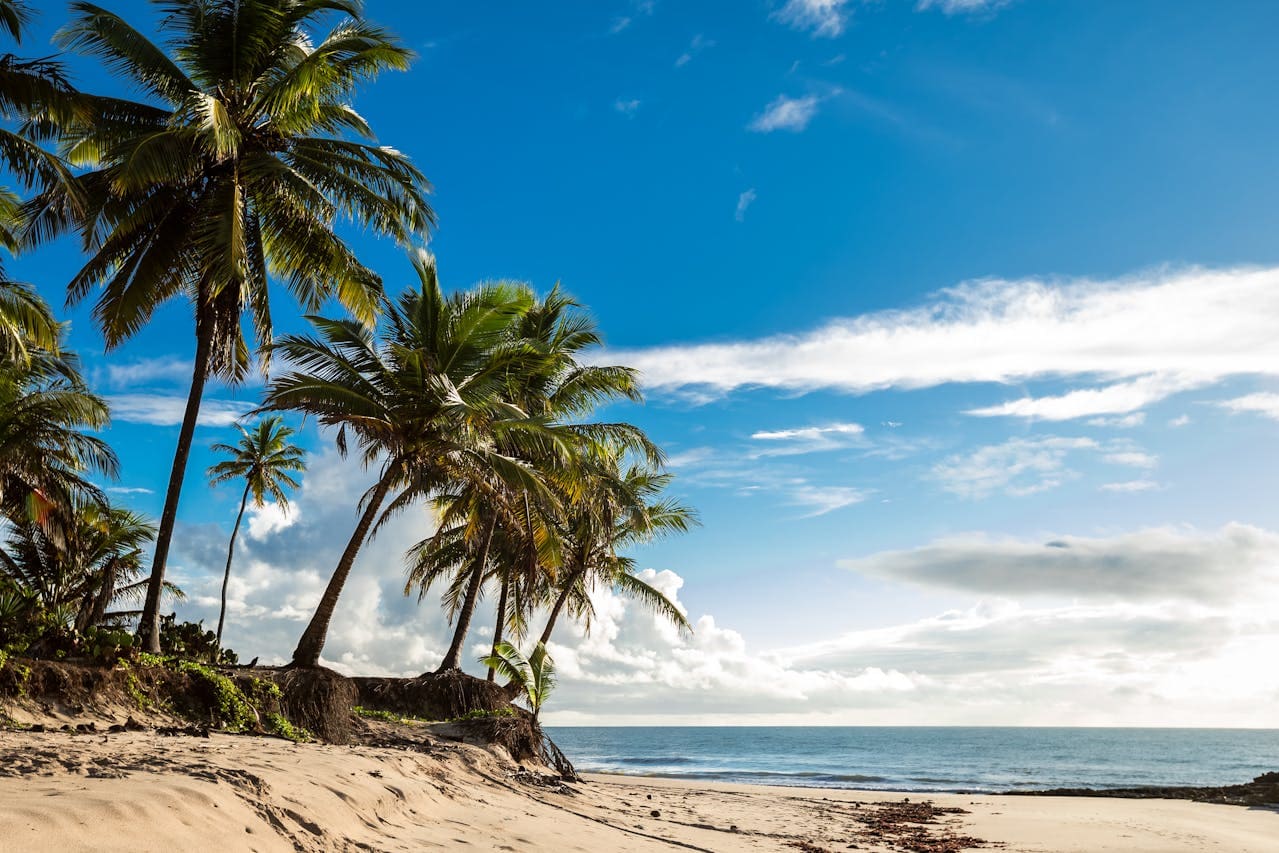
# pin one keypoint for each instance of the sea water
(927, 759)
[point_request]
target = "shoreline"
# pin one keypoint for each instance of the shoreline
(74, 792)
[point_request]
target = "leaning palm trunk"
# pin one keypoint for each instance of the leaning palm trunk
(501, 620)
(453, 657)
(105, 592)
(226, 576)
(565, 592)
(149, 624)
(312, 643)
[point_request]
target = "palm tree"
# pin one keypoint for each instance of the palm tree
(264, 458)
(45, 408)
(617, 508)
(236, 169)
(422, 403)
(534, 675)
(80, 562)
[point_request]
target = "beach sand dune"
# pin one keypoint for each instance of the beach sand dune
(138, 791)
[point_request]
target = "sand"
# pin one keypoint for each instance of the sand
(138, 791)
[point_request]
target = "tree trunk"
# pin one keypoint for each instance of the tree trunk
(105, 593)
(312, 643)
(559, 605)
(226, 576)
(501, 620)
(454, 655)
(149, 624)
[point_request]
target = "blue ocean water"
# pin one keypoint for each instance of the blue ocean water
(928, 759)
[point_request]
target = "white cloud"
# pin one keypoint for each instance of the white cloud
(744, 201)
(167, 369)
(1135, 419)
(1123, 397)
(959, 7)
(825, 18)
(129, 490)
(167, 410)
(810, 439)
(786, 113)
(1133, 459)
(1019, 467)
(820, 500)
(269, 519)
(1185, 327)
(695, 47)
(1262, 403)
(627, 106)
(1160, 564)
(1179, 421)
(1130, 486)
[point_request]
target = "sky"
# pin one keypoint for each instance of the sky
(956, 317)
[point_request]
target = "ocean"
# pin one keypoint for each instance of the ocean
(927, 759)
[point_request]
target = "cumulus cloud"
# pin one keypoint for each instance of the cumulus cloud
(1159, 564)
(167, 409)
(823, 18)
(1266, 404)
(1151, 335)
(269, 519)
(786, 113)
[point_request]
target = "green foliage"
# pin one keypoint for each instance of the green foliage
(535, 674)
(276, 724)
(374, 714)
(148, 659)
(228, 706)
(481, 714)
(190, 641)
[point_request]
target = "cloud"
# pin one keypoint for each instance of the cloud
(786, 113)
(823, 18)
(695, 47)
(744, 201)
(1159, 564)
(1188, 327)
(167, 410)
(129, 490)
(1018, 467)
(810, 439)
(1133, 459)
(642, 8)
(269, 519)
(627, 106)
(1179, 421)
(961, 7)
(1130, 486)
(821, 500)
(1266, 404)
(1135, 419)
(166, 369)
(1121, 398)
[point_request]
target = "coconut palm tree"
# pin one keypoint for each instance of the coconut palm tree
(534, 675)
(422, 403)
(618, 508)
(236, 168)
(92, 562)
(265, 459)
(45, 453)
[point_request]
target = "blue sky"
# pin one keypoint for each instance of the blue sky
(955, 318)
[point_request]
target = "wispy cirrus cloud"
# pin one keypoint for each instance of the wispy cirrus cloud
(1129, 342)
(695, 47)
(1130, 486)
(813, 439)
(786, 113)
(822, 18)
(627, 106)
(744, 201)
(167, 410)
(1027, 466)
(962, 7)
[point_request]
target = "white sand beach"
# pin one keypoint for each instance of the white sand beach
(139, 791)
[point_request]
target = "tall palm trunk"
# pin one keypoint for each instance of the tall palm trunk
(149, 624)
(312, 643)
(453, 656)
(226, 576)
(501, 620)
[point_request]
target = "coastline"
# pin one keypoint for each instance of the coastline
(139, 791)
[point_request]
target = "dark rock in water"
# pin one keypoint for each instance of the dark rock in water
(1261, 791)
